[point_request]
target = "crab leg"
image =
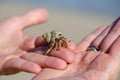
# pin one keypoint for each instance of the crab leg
(59, 44)
(54, 49)
(49, 50)
(65, 42)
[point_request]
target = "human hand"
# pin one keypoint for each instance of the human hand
(92, 65)
(15, 47)
(14, 44)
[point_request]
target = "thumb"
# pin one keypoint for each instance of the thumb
(30, 18)
(33, 17)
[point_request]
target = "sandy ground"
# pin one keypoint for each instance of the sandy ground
(73, 25)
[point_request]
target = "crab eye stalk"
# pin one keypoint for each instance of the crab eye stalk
(60, 34)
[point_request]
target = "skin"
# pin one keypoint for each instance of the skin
(15, 46)
(92, 65)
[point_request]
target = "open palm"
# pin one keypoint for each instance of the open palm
(92, 65)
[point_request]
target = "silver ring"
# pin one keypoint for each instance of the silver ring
(93, 48)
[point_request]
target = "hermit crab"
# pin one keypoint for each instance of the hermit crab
(55, 41)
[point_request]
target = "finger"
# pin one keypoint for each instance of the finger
(32, 17)
(45, 61)
(115, 49)
(40, 41)
(98, 40)
(111, 37)
(83, 45)
(71, 46)
(31, 42)
(22, 65)
(65, 54)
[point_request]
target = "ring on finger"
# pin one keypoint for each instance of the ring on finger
(93, 48)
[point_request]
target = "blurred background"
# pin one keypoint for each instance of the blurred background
(74, 18)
